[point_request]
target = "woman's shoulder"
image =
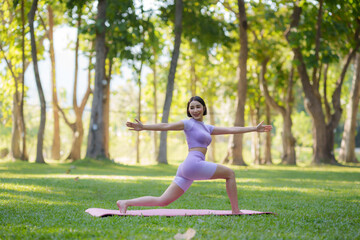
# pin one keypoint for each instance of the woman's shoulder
(188, 123)
(210, 127)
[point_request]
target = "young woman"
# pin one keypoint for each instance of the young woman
(194, 167)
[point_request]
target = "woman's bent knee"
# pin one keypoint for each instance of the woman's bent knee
(224, 173)
(231, 173)
(164, 202)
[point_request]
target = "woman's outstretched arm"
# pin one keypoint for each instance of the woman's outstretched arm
(236, 130)
(138, 126)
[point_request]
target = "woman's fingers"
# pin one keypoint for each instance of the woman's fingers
(138, 121)
(267, 128)
(263, 128)
(134, 126)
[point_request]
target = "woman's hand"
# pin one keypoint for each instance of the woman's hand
(138, 126)
(263, 128)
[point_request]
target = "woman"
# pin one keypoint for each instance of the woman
(194, 167)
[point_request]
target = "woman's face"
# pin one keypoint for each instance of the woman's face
(196, 110)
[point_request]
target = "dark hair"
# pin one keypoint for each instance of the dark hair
(200, 100)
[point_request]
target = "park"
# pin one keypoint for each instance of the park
(95, 113)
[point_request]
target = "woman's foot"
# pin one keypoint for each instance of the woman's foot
(122, 206)
(237, 212)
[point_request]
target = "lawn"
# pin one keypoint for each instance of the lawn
(48, 202)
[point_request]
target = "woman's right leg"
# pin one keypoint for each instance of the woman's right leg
(172, 193)
(228, 174)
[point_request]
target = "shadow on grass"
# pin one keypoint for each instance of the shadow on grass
(88, 167)
(284, 172)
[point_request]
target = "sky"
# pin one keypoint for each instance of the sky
(64, 44)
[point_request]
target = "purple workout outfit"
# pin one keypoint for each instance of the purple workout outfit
(195, 167)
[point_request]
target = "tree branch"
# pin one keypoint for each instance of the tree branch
(265, 90)
(228, 7)
(326, 102)
(89, 90)
(336, 95)
(8, 63)
(289, 97)
(71, 125)
(317, 46)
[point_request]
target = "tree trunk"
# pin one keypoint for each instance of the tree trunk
(155, 135)
(107, 111)
(24, 155)
(236, 147)
(267, 154)
(15, 135)
(138, 113)
(40, 136)
(212, 147)
(96, 146)
(55, 150)
(288, 137)
(193, 77)
(78, 134)
(347, 151)
(255, 151)
(289, 154)
(162, 157)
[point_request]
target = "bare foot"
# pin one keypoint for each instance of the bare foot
(237, 212)
(122, 206)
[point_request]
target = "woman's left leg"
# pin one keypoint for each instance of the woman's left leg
(172, 193)
(223, 172)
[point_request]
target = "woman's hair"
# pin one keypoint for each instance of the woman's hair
(200, 100)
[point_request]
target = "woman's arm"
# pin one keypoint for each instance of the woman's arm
(235, 130)
(138, 126)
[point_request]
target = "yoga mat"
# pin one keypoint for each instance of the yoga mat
(100, 212)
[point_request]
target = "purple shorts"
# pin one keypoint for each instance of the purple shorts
(194, 168)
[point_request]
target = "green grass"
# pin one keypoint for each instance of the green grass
(45, 202)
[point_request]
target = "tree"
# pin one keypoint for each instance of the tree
(347, 150)
(55, 149)
(24, 155)
(288, 156)
(13, 52)
(234, 154)
(269, 48)
(323, 131)
(77, 126)
(96, 143)
(156, 46)
(162, 157)
(40, 138)
(141, 58)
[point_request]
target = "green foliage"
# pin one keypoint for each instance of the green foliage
(6, 97)
(302, 129)
(49, 201)
(123, 29)
(203, 24)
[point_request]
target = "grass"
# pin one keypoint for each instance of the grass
(47, 202)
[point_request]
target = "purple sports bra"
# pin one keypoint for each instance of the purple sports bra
(197, 133)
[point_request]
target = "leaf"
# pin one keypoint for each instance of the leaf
(189, 234)
(16, 2)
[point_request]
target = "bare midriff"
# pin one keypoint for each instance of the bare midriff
(200, 149)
